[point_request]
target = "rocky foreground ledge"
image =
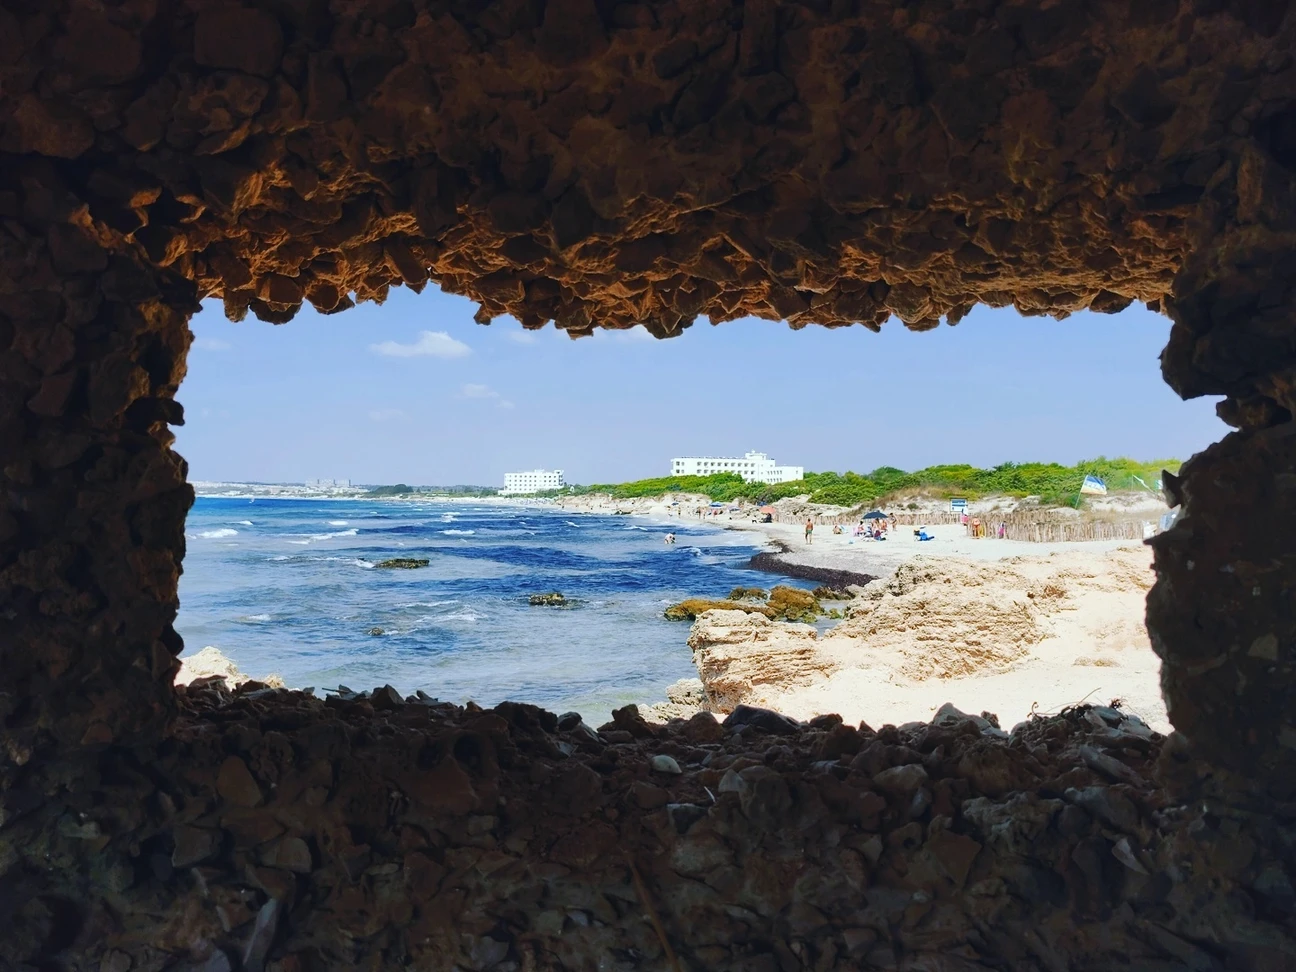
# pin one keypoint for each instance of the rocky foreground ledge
(278, 831)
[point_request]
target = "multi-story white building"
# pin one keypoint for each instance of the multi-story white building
(534, 481)
(754, 467)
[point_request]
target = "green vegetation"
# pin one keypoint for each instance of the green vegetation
(400, 489)
(1052, 482)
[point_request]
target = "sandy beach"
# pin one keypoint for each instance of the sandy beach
(1002, 626)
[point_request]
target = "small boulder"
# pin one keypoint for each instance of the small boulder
(236, 785)
(193, 845)
(661, 763)
(766, 720)
(569, 721)
(684, 815)
(376, 632)
(901, 780)
(403, 563)
(289, 854)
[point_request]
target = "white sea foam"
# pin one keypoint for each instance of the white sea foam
(300, 543)
(255, 618)
(323, 536)
(280, 557)
(458, 533)
(244, 522)
(569, 523)
(218, 534)
(428, 604)
(337, 522)
(467, 616)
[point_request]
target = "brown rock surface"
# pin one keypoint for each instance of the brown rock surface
(925, 843)
(607, 165)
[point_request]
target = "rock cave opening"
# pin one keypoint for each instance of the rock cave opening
(604, 164)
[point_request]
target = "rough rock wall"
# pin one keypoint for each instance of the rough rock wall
(1221, 615)
(281, 832)
(604, 163)
(92, 347)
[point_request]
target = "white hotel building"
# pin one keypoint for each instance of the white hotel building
(534, 481)
(754, 467)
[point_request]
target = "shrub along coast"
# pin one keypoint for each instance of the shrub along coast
(1052, 482)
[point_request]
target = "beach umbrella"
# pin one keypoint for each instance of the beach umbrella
(875, 515)
(768, 509)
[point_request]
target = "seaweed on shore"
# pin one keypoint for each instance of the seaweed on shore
(770, 563)
(784, 604)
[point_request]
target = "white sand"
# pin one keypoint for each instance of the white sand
(1080, 638)
(1093, 644)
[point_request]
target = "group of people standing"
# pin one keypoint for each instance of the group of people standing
(978, 530)
(868, 529)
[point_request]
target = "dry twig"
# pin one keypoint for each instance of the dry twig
(642, 891)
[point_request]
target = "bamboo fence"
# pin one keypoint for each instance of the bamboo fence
(1032, 526)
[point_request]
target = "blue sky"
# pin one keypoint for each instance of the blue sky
(414, 391)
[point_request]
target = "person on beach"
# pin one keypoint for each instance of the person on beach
(809, 530)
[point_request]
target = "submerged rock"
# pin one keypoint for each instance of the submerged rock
(690, 608)
(793, 604)
(403, 563)
(552, 599)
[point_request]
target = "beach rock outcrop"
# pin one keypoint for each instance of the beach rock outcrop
(403, 563)
(783, 603)
(552, 599)
(941, 618)
(740, 655)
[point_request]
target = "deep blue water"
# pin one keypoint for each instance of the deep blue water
(287, 586)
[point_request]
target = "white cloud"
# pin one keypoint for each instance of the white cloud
(211, 344)
(386, 414)
(432, 344)
(522, 337)
(484, 392)
(634, 335)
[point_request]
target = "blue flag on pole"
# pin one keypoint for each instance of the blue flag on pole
(1094, 485)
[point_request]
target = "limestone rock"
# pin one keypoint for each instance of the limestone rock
(741, 655)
